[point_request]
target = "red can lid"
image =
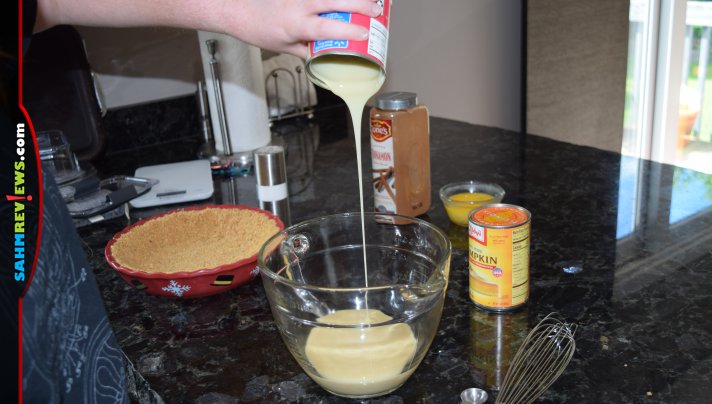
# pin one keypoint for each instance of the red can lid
(500, 216)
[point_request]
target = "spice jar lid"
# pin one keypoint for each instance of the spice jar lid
(396, 100)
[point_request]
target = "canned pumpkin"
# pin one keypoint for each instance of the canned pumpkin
(499, 256)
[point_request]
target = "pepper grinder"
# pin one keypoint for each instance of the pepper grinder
(271, 173)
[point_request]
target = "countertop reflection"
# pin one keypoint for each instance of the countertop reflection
(622, 247)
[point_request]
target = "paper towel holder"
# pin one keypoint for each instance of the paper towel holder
(236, 96)
(212, 44)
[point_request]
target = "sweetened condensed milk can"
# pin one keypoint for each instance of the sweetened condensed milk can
(373, 50)
(499, 256)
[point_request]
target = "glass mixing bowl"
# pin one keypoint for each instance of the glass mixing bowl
(358, 332)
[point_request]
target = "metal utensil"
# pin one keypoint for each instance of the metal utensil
(540, 360)
(473, 396)
(219, 105)
(207, 149)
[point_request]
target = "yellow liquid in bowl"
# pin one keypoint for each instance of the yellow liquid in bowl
(360, 362)
(464, 203)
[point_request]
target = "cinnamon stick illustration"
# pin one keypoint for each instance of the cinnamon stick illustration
(381, 182)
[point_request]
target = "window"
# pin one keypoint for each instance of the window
(668, 110)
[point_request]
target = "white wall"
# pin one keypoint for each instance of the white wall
(462, 57)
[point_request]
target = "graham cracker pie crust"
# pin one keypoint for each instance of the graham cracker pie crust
(191, 240)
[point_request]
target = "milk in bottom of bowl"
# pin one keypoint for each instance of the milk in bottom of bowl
(360, 361)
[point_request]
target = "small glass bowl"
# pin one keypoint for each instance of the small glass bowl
(459, 198)
(57, 157)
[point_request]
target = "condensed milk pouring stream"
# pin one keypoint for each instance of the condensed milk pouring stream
(354, 71)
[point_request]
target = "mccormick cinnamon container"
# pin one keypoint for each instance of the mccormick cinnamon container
(374, 49)
(400, 154)
(499, 256)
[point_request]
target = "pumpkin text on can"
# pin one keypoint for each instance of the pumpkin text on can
(374, 49)
(499, 256)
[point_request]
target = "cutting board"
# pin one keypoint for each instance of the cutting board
(177, 183)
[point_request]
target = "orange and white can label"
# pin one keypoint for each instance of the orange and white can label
(499, 237)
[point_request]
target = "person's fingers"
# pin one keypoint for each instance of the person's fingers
(365, 7)
(325, 28)
(299, 50)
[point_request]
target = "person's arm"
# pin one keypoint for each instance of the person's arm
(277, 25)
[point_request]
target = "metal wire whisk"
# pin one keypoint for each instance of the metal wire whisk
(540, 360)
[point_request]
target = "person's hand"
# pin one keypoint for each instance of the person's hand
(286, 25)
(276, 25)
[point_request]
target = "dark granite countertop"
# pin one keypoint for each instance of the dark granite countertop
(622, 247)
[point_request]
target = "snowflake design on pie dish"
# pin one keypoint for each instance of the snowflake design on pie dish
(255, 272)
(175, 288)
